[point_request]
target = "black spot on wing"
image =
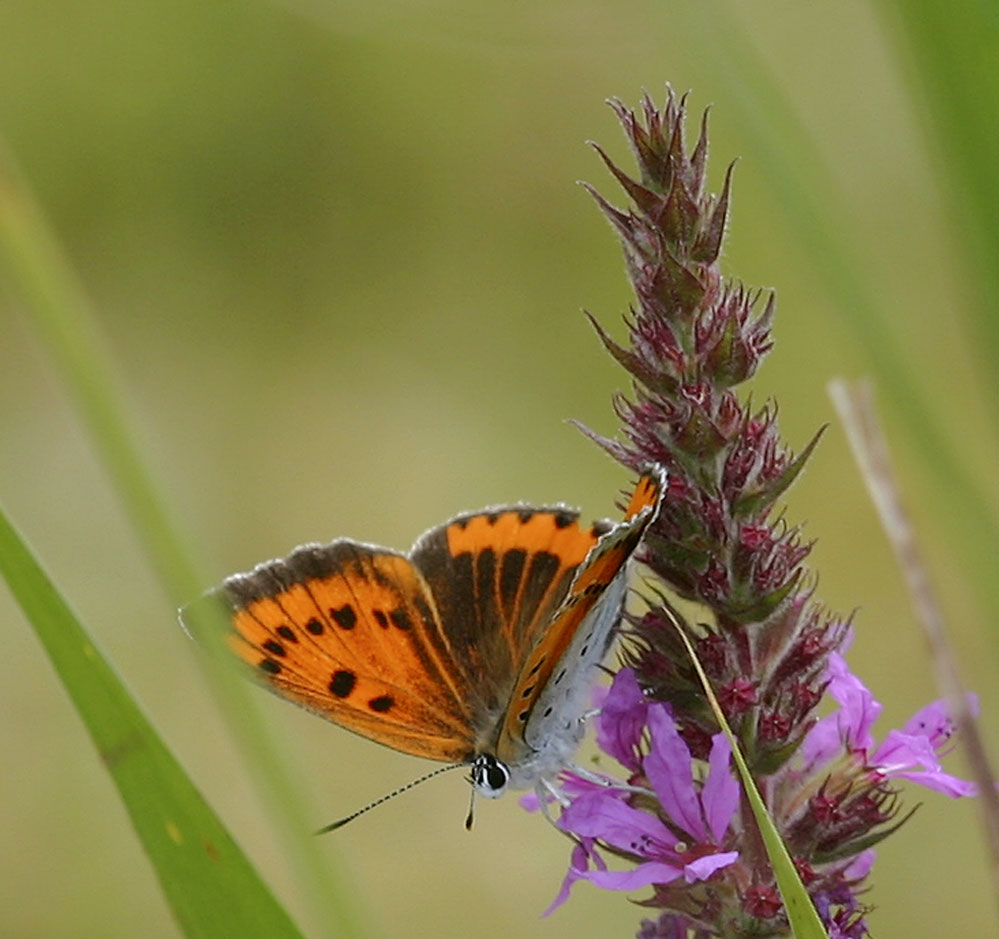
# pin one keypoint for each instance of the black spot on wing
(315, 627)
(342, 683)
(400, 619)
(344, 616)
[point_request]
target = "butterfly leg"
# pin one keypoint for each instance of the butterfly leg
(544, 790)
(545, 787)
(606, 782)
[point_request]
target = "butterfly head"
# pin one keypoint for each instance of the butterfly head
(489, 776)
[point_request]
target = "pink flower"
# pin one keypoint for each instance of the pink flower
(621, 723)
(684, 841)
(911, 753)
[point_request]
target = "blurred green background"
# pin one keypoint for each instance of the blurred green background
(338, 255)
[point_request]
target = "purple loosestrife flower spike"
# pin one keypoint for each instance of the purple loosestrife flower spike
(675, 825)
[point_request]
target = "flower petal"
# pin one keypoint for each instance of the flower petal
(578, 866)
(822, 742)
(530, 801)
(941, 782)
(652, 872)
(668, 767)
(622, 719)
(720, 793)
(601, 815)
(572, 785)
(704, 867)
(936, 722)
(860, 866)
(858, 711)
(902, 751)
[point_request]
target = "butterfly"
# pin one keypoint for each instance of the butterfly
(476, 648)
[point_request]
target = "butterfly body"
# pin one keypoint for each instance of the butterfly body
(477, 647)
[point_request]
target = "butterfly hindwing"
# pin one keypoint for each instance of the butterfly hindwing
(349, 631)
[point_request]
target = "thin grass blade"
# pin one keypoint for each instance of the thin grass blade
(211, 887)
(59, 311)
(801, 912)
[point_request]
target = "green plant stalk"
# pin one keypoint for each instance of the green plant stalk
(57, 308)
(801, 912)
(950, 52)
(211, 887)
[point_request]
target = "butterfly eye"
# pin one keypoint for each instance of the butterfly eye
(490, 776)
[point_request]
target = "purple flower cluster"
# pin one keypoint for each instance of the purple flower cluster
(679, 827)
(643, 737)
(912, 753)
(676, 822)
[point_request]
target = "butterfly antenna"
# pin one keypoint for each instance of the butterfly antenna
(333, 826)
(470, 818)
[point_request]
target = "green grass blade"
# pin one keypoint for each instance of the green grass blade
(58, 310)
(951, 51)
(211, 887)
(801, 912)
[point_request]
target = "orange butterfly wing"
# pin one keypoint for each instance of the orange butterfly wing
(352, 632)
(442, 654)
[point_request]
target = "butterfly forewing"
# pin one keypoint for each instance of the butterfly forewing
(549, 688)
(647, 495)
(349, 631)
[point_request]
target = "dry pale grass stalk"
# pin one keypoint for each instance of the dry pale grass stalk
(854, 404)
